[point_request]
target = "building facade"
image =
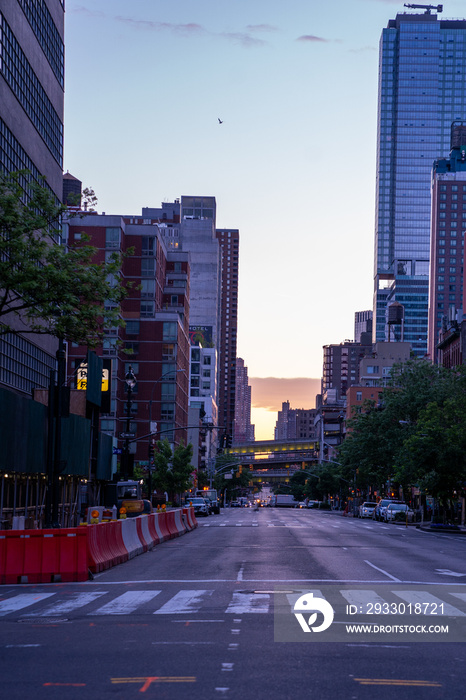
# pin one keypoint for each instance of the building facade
(243, 431)
(31, 138)
(422, 71)
(447, 238)
(229, 245)
(341, 365)
(154, 341)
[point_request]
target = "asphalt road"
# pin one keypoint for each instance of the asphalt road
(200, 616)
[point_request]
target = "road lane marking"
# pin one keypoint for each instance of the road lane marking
(401, 681)
(184, 602)
(148, 680)
(397, 580)
(248, 603)
(21, 601)
(75, 601)
(422, 598)
(126, 603)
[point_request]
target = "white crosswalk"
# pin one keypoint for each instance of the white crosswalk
(192, 601)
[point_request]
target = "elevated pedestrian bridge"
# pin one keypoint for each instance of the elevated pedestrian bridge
(273, 460)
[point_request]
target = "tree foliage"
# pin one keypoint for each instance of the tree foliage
(417, 437)
(173, 469)
(46, 287)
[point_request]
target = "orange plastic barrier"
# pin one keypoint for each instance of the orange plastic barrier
(171, 523)
(44, 556)
(152, 529)
(163, 525)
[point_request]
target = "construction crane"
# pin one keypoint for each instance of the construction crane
(427, 8)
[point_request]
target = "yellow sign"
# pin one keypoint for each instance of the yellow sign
(81, 378)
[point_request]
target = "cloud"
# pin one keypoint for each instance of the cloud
(243, 39)
(261, 28)
(270, 392)
(188, 28)
(311, 38)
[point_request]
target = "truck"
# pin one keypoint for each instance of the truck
(126, 494)
(281, 500)
(211, 494)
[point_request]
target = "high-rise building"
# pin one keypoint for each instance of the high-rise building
(155, 339)
(243, 431)
(422, 74)
(229, 245)
(31, 138)
(447, 241)
(362, 324)
(341, 365)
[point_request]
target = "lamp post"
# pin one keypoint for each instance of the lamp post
(130, 380)
(153, 431)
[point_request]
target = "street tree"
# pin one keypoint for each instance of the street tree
(47, 287)
(172, 469)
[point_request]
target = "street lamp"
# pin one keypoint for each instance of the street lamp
(153, 430)
(130, 380)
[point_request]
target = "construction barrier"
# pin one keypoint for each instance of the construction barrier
(180, 523)
(151, 523)
(43, 556)
(142, 524)
(131, 539)
(163, 525)
(68, 554)
(192, 522)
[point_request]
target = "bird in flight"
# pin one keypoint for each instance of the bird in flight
(219, 120)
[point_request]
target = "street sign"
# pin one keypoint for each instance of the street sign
(117, 450)
(228, 476)
(127, 435)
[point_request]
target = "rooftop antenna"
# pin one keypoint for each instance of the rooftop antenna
(427, 8)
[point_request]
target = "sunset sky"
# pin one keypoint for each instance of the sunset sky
(292, 166)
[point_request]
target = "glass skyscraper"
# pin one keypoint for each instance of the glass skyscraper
(422, 90)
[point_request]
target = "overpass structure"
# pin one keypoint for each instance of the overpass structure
(272, 460)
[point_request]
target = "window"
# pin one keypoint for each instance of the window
(168, 351)
(112, 237)
(147, 267)
(170, 330)
(132, 328)
(147, 289)
(132, 347)
(147, 245)
(167, 411)
(372, 369)
(147, 309)
(359, 396)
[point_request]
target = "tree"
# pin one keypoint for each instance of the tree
(417, 437)
(173, 470)
(46, 287)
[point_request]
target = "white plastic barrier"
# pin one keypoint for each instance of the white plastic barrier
(130, 537)
(158, 529)
(146, 536)
(179, 521)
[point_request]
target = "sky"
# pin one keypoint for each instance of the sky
(292, 166)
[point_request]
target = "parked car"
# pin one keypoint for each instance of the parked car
(394, 508)
(379, 510)
(366, 509)
(313, 504)
(200, 506)
(301, 504)
(235, 504)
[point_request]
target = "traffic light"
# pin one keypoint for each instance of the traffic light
(227, 441)
(240, 468)
(303, 465)
(251, 468)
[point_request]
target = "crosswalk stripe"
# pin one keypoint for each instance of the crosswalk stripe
(75, 601)
(126, 603)
(249, 603)
(21, 601)
(423, 597)
(361, 597)
(184, 602)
